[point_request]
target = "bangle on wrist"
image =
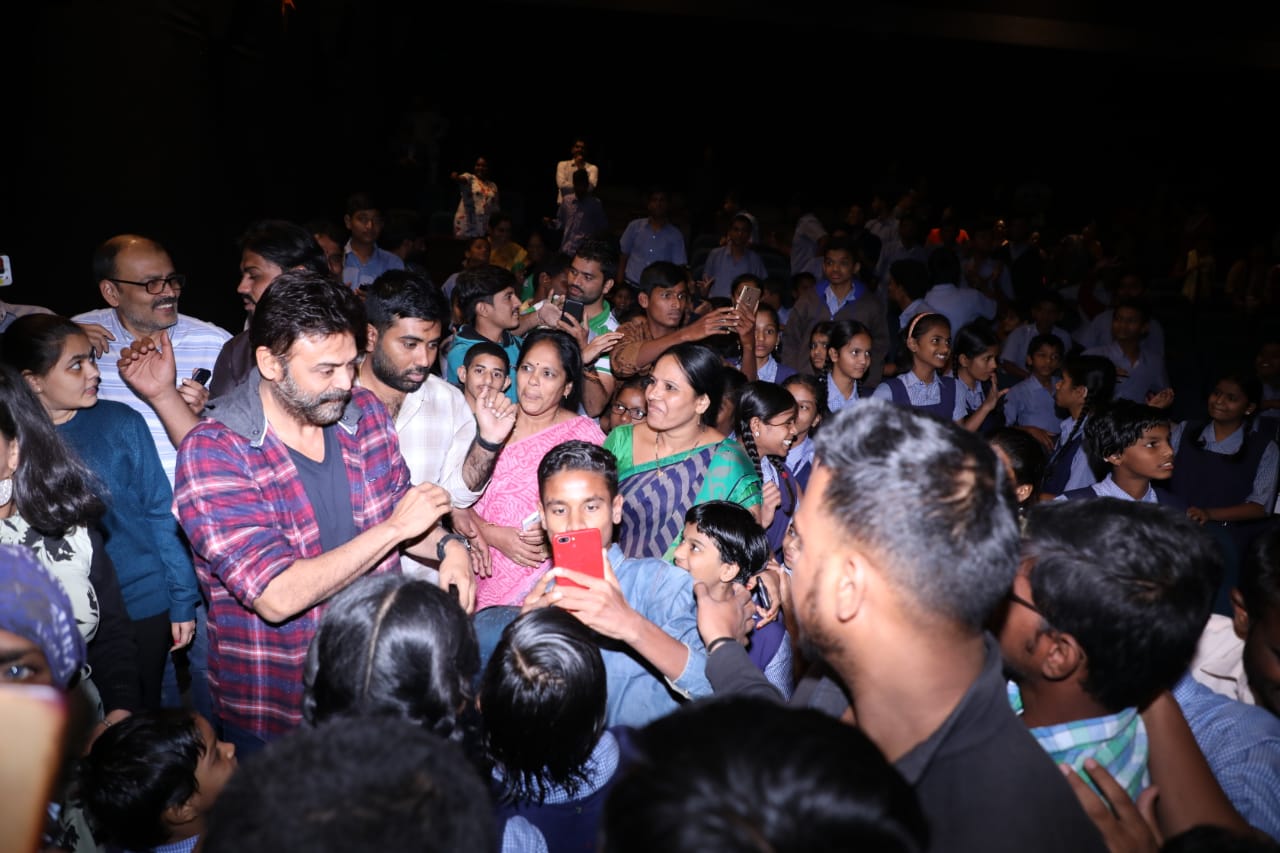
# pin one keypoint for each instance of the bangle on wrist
(451, 537)
(491, 446)
(718, 642)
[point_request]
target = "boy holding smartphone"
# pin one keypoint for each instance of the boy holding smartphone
(644, 608)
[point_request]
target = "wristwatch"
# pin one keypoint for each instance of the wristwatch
(450, 537)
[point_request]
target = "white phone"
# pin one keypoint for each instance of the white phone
(532, 519)
(6, 271)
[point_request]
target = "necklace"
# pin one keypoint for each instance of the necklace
(657, 453)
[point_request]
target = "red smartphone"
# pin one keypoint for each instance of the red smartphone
(579, 550)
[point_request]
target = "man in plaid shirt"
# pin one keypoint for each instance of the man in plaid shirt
(295, 489)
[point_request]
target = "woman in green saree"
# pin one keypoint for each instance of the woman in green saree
(675, 458)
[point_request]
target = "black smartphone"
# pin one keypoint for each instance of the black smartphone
(202, 375)
(760, 595)
(574, 309)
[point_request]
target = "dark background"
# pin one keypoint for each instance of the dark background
(188, 119)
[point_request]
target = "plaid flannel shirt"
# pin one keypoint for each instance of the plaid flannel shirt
(1117, 741)
(248, 517)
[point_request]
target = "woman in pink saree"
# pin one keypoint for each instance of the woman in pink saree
(548, 396)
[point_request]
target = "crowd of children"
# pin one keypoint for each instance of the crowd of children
(685, 434)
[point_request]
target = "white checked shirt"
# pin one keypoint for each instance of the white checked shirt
(436, 428)
(195, 344)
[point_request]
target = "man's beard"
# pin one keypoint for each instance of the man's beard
(316, 409)
(406, 382)
(814, 639)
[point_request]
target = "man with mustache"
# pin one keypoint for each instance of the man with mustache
(293, 489)
(141, 287)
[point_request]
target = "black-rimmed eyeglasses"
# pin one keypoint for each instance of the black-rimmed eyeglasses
(155, 286)
(1017, 599)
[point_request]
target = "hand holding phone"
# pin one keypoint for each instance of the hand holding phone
(574, 309)
(760, 595)
(579, 550)
(202, 375)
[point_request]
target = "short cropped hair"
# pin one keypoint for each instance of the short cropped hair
(546, 675)
(1050, 340)
(577, 455)
(285, 244)
(300, 304)
(931, 500)
(359, 201)
(844, 244)
(1121, 425)
(1132, 582)
(746, 775)
(1143, 310)
(393, 646)
(400, 294)
(481, 284)
(661, 274)
(354, 783)
(137, 769)
(602, 252)
(489, 348)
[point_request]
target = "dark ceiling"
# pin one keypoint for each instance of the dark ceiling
(190, 118)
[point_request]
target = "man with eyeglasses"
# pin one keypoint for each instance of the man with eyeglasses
(363, 261)
(139, 284)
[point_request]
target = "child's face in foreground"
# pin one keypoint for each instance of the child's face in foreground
(485, 372)
(1150, 457)
(579, 500)
(699, 555)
